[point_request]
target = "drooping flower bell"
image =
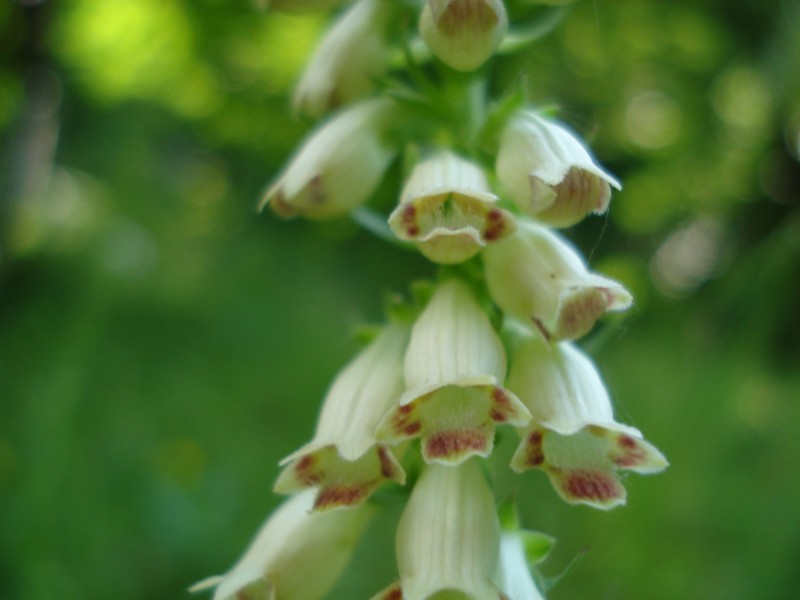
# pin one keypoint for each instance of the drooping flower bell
(343, 461)
(295, 555)
(448, 538)
(463, 34)
(573, 436)
(538, 277)
(549, 173)
(338, 166)
(447, 208)
(351, 54)
(454, 368)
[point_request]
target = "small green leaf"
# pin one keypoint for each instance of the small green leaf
(537, 546)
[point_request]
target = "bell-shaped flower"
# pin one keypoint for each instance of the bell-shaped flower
(343, 461)
(447, 208)
(447, 538)
(537, 276)
(351, 54)
(454, 368)
(463, 34)
(338, 166)
(295, 555)
(513, 569)
(549, 173)
(573, 436)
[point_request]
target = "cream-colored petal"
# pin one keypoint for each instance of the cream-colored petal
(537, 276)
(448, 537)
(513, 573)
(339, 482)
(454, 422)
(447, 208)
(560, 386)
(549, 173)
(463, 33)
(452, 343)
(573, 436)
(453, 368)
(351, 54)
(338, 166)
(344, 460)
(295, 555)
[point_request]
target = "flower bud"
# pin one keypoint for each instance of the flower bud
(454, 368)
(573, 436)
(353, 51)
(537, 276)
(463, 33)
(295, 555)
(548, 172)
(448, 209)
(448, 537)
(338, 166)
(343, 460)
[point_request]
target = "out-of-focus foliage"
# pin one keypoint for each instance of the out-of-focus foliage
(162, 346)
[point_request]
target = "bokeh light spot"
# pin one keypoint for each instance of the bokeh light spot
(652, 120)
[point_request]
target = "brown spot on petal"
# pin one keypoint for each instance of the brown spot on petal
(495, 226)
(446, 444)
(412, 231)
(461, 15)
(412, 428)
(316, 194)
(404, 421)
(535, 452)
(580, 315)
(632, 453)
(591, 485)
(387, 464)
(541, 328)
(502, 409)
(305, 463)
(304, 470)
(395, 593)
(345, 495)
(281, 207)
(500, 398)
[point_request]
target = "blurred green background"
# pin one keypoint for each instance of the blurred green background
(162, 346)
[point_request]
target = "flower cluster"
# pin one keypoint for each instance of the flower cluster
(443, 375)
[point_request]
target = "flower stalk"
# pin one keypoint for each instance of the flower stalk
(437, 371)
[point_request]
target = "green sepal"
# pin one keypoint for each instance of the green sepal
(421, 292)
(366, 332)
(511, 102)
(508, 514)
(537, 546)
